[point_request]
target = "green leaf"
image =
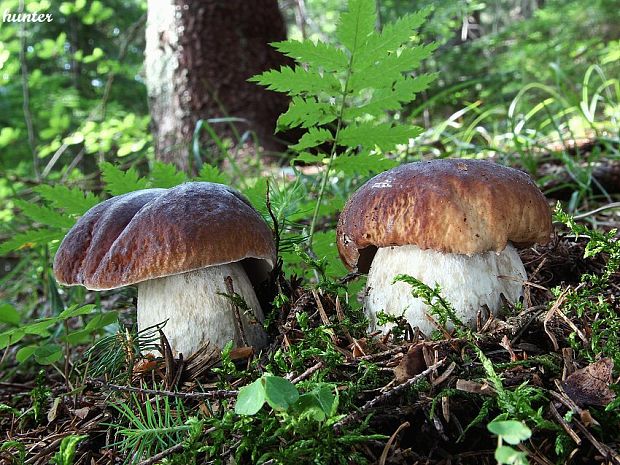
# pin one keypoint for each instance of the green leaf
(29, 239)
(357, 24)
(511, 431)
(257, 195)
(306, 113)
(101, 320)
(318, 55)
(310, 158)
(317, 404)
(68, 445)
(392, 37)
(298, 81)
(11, 336)
(25, 353)
(48, 354)
(363, 164)
(9, 315)
(76, 310)
(312, 138)
(118, 182)
(211, 173)
(40, 327)
(44, 215)
(250, 398)
(165, 175)
(73, 201)
(280, 393)
(385, 136)
(506, 455)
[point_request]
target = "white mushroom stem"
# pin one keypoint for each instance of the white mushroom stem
(196, 311)
(467, 282)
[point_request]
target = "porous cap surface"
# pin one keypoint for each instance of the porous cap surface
(154, 233)
(450, 205)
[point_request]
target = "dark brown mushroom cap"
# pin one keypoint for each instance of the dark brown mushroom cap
(453, 206)
(154, 233)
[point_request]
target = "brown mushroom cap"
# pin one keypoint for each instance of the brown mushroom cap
(154, 233)
(454, 206)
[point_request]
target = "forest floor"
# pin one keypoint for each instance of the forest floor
(431, 399)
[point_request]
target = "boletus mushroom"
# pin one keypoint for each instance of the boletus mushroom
(178, 245)
(450, 222)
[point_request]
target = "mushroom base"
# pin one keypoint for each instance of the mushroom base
(196, 311)
(467, 282)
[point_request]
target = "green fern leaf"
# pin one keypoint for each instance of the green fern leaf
(392, 97)
(210, 173)
(357, 24)
(44, 215)
(73, 201)
(31, 239)
(318, 55)
(385, 136)
(257, 195)
(312, 138)
(119, 182)
(310, 158)
(298, 81)
(165, 175)
(393, 36)
(391, 68)
(362, 164)
(306, 113)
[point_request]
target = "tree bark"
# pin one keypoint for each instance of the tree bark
(199, 55)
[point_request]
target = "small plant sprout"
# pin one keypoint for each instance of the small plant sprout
(512, 432)
(453, 223)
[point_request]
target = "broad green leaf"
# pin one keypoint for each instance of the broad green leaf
(257, 195)
(11, 336)
(165, 175)
(357, 24)
(250, 398)
(40, 327)
(9, 315)
(280, 393)
(44, 215)
(318, 55)
(73, 201)
(101, 320)
(385, 136)
(25, 353)
(324, 245)
(118, 182)
(48, 354)
(506, 455)
(312, 138)
(511, 431)
(76, 310)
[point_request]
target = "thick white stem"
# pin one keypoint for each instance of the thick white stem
(467, 282)
(197, 312)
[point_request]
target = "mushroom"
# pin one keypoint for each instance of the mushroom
(450, 222)
(178, 245)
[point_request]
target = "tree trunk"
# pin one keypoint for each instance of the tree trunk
(199, 55)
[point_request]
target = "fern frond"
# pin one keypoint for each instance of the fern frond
(392, 37)
(210, 173)
(298, 81)
(30, 239)
(357, 24)
(363, 164)
(312, 138)
(317, 55)
(385, 136)
(73, 201)
(44, 215)
(119, 182)
(307, 113)
(165, 175)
